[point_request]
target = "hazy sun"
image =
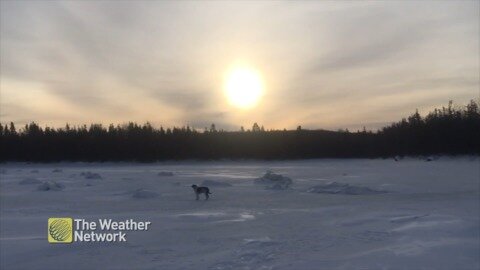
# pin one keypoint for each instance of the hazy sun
(243, 87)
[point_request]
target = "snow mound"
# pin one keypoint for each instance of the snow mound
(410, 218)
(211, 183)
(165, 174)
(203, 215)
(29, 181)
(144, 194)
(257, 240)
(431, 158)
(50, 185)
(274, 181)
(90, 175)
(342, 188)
(261, 242)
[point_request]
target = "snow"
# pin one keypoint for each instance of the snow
(213, 183)
(274, 181)
(165, 174)
(334, 214)
(90, 175)
(29, 181)
(343, 188)
(50, 185)
(144, 194)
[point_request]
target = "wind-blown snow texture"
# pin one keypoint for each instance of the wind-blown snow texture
(425, 215)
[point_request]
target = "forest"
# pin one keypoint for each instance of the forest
(451, 130)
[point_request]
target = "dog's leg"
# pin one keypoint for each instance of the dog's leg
(206, 196)
(197, 196)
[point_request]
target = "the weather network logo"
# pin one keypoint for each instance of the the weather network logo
(60, 230)
(69, 230)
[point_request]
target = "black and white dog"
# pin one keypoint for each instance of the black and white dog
(199, 190)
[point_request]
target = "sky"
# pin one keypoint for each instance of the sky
(323, 65)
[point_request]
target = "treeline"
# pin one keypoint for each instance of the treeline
(449, 130)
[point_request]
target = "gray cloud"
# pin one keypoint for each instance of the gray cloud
(183, 98)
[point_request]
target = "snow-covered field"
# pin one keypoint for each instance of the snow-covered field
(336, 214)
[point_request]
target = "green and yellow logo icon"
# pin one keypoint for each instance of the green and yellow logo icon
(60, 230)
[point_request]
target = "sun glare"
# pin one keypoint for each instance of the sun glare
(243, 87)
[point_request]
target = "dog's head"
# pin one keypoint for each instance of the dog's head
(194, 186)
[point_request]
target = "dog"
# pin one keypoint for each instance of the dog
(199, 190)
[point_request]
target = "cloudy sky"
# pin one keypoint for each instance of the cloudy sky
(323, 64)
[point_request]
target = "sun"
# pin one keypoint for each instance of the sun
(243, 87)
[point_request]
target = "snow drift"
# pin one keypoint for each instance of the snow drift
(274, 181)
(165, 174)
(212, 183)
(50, 185)
(90, 175)
(30, 181)
(343, 188)
(144, 194)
